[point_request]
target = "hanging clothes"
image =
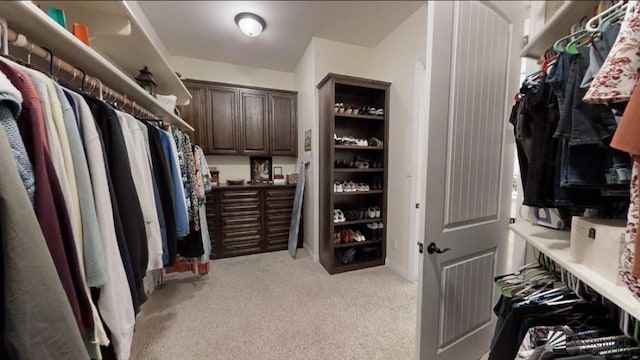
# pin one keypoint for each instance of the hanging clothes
(49, 202)
(620, 72)
(164, 179)
(182, 217)
(141, 173)
(30, 329)
(124, 191)
(115, 302)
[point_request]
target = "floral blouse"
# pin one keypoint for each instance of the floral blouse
(621, 70)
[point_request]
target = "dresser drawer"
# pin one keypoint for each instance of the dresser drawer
(241, 245)
(239, 195)
(280, 194)
(278, 218)
(240, 222)
(285, 207)
(281, 229)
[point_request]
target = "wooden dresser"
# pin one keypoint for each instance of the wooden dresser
(250, 219)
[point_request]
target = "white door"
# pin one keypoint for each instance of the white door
(471, 76)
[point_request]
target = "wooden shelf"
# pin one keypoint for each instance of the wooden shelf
(346, 193)
(27, 19)
(363, 117)
(129, 47)
(357, 222)
(555, 244)
(356, 243)
(355, 147)
(348, 170)
(556, 27)
(357, 265)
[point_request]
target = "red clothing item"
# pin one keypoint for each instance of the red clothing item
(49, 204)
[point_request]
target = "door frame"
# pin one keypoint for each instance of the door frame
(419, 171)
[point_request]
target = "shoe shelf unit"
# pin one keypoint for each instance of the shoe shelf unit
(338, 251)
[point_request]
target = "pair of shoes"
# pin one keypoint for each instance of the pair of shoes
(347, 256)
(375, 230)
(357, 236)
(361, 164)
(375, 142)
(359, 214)
(377, 185)
(339, 108)
(362, 187)
(346, 236)
(337, 187)
(338, 216)
(373, 212)
(376, 164)
(349, 186)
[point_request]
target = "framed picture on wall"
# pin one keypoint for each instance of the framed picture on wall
(261, 169)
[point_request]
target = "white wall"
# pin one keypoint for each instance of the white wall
(231, 167)
(303, 77)
(394, 60)
(231, 73)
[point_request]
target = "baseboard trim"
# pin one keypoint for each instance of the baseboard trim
(397, 268)
(314, 256)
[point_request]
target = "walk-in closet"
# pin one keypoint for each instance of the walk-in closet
(275, 180)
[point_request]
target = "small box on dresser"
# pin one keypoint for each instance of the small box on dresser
(598, 243)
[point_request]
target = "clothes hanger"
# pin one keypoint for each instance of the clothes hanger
(591, 24)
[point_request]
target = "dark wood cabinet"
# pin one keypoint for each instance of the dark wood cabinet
(222, 124)
(253, 122)
(283, 124)
(195, 114)
(250, 219)
(240, 120)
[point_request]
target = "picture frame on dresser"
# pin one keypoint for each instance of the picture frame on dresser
(261, 169)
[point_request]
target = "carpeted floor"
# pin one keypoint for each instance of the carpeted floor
(269, 306)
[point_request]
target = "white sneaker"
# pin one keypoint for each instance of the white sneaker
(337, 187)
(377, 211)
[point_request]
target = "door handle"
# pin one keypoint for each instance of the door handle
(433, 248)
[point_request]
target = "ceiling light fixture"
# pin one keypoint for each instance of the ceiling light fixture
(250, 24)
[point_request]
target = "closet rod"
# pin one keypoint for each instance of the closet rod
(19, 40)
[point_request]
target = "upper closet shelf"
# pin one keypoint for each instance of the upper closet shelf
(555, 244)
(559, 25)
(26, 18)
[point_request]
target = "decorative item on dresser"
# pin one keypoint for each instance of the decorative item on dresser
(354, 127)
(261, 169)
(242, 120)
(250, 219)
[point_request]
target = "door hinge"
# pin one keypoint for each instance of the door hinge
(420, 247)
(417, 205)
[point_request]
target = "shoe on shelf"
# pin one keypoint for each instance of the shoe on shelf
(375, 142)
(380, 112)
(363, 187)
(336, 237)
(376, 211)
(337, 187)
(338, 216)
(380, 229)
(371, 213)
(372, 111)
(347, 256)
(360, 236)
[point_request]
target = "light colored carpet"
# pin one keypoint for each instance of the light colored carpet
(269, 306)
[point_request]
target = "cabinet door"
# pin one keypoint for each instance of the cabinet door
(254, 135)
(195, 115)
(222, 108)
(283, 124)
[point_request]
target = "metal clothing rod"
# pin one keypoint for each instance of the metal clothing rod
(19, 40)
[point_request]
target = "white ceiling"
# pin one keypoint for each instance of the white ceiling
(206, 29)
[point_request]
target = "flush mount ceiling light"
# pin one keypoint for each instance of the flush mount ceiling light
(250, 24)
